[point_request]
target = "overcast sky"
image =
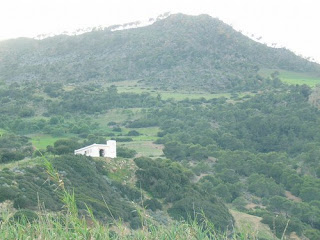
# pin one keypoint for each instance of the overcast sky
(289, 23)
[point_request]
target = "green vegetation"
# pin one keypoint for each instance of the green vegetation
(51, 227)
(41, 141)
(200, 129)
(290, 77)
(189, 53)
(249, 150)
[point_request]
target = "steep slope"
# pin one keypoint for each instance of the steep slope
(190, 52)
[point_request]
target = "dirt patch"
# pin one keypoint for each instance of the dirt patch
(197, 178)
(290, 196)
(6, 206)
(251, 226)
(251, 206)
(294, 236)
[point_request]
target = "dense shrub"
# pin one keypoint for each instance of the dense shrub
(25, 215)
(123, 139)
(169, 180)
(133, 133)
(196, 208)
(7, 193)
(125, 152)
(10, 156)
(128, 192)
(64, 146)
(152, 204)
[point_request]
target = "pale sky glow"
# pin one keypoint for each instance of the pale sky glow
(289, 23)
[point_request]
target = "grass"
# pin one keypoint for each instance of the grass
(120, 169)
(176, 95)
(118, 116)
(251, 225)
(27, 162)
(147, 134)
(290, 77)
(144, 148)
(70, 226)
(134, 87)
(2, 131)
(41, 141)
(299, 78)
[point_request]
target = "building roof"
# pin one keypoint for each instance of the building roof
(92, 145)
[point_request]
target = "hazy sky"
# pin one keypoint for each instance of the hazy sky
(289, 23)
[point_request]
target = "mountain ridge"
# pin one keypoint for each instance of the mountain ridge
(180, 51)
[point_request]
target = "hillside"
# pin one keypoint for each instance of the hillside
(214, 132)
(179, 52)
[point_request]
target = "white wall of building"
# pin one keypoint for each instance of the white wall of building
(99, 150)
(112, 149)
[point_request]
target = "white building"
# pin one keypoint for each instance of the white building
(99, 150)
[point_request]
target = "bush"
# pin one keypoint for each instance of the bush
(27, 112)
(7, 193)
(240, 203)
(152, 204)
(22, 202)
(280, 223)
(128, 192)
(312, 234)
(123, 139)
(125, 152)
(25, 215)
(10, 156)
(117, 129)
(133, 133)
(64, 146)
(200, 210)
(135, 223)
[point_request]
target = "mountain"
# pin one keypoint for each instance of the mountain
(194, 52)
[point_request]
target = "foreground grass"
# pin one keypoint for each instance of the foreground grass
(53, 228)
(70, 225)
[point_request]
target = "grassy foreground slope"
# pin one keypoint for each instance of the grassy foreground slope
(69, 225)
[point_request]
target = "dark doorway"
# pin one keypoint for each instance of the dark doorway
(101, 153)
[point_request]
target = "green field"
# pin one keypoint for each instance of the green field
(310, 79)
(117, 116)
(144, 148)
(134, 87)
(165, 95)
(41, 141)
(147, 134)
(2, 131)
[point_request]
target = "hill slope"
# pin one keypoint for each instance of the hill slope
(188, 52)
